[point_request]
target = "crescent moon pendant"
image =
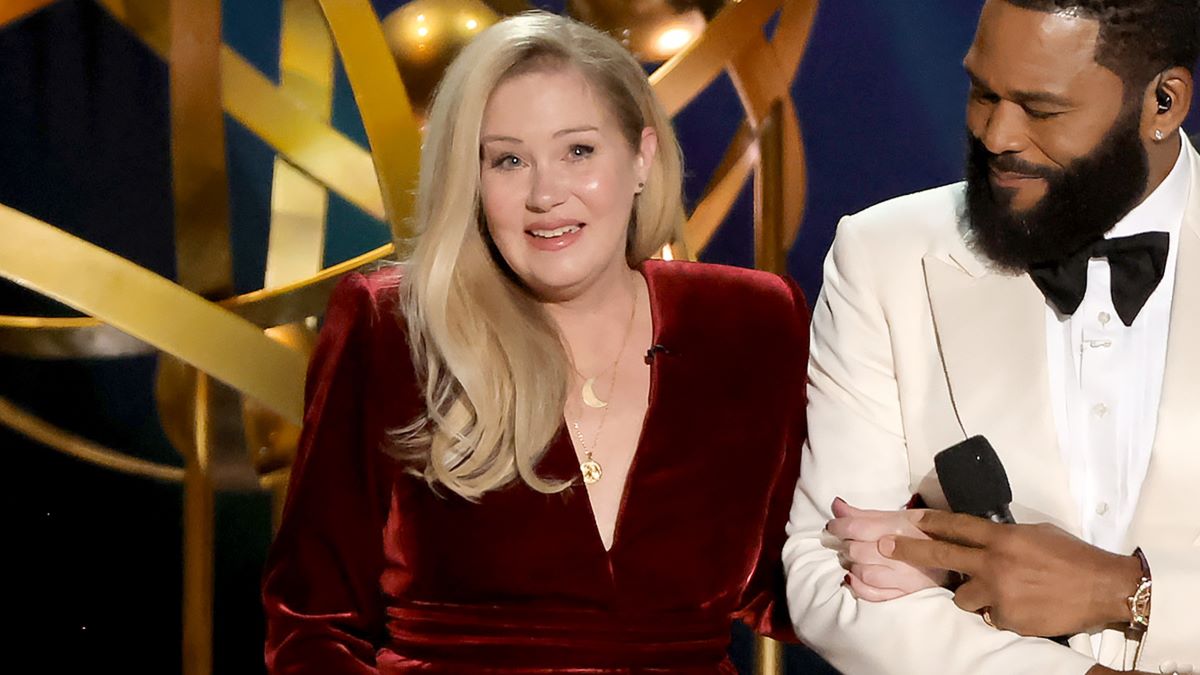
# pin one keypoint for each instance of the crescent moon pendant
(589, 395)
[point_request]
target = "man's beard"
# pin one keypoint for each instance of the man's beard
(1081, 202)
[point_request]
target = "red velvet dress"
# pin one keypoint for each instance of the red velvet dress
(373, 572)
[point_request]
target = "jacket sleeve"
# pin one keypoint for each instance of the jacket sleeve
(764, 607)
(856, 450)
(321, 586)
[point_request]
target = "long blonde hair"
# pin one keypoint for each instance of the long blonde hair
(493, 364)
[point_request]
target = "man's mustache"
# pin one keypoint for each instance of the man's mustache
(1006, 163)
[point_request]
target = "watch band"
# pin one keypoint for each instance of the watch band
(1139, 602)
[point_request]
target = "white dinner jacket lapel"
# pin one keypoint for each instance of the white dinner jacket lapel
(991, 330)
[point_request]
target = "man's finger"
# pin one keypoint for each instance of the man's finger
(972, 597)
(941, 555)
(959, 528)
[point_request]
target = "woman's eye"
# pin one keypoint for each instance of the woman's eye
(507, 162)
(579, 150)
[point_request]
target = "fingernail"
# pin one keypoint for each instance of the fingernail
(839, 500)
(887, 545)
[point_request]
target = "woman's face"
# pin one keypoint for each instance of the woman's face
(558, 181)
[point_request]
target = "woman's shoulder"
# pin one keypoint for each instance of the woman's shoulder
(364, 315)
(367, 295)
(681, 281)
(728, 306)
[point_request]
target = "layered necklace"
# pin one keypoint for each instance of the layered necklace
(589, 467)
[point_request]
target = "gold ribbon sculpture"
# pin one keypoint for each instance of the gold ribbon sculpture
(231, 367)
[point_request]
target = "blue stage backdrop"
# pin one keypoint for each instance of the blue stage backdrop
(91, 558)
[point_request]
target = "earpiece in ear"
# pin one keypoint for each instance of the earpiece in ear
(1164, 100)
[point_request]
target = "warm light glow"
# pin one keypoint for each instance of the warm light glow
(667, 253)
(472, 24)
(420, 17)
(672, 40)
(422, 31)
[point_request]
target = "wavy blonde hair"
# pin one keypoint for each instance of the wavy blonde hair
(492, 362)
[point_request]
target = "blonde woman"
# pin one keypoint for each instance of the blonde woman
(530, 448)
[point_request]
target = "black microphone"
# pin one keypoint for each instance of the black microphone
(974, 481)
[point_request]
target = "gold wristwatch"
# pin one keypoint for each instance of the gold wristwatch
(1139, 602)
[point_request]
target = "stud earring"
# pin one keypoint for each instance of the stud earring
(641, 186)
(1158, 134)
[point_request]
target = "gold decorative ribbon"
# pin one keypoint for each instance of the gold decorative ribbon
(383, 104)
(762, 72)
(296, 246)
(308, 143)
(723, 189)
(203, 248)
(152, 309)
(28, 424)
(86, 337)
(689, 72)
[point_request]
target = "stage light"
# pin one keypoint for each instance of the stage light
(672, 40)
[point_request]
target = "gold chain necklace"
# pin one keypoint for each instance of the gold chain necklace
(587, 393)
(590, 469)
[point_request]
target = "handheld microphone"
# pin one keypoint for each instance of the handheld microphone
(974, 481)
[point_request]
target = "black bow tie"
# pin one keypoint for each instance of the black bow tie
(1136, 264)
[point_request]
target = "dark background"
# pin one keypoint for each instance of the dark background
(91, 558)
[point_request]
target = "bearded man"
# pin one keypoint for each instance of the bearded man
(1051, 303)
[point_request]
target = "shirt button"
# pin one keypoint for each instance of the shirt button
(1104, 318)
(1099, 410)
(1101, 508)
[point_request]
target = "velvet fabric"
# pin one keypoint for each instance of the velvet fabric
(372, 571)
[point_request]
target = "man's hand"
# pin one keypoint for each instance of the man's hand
(871, 576)
(1033, 579)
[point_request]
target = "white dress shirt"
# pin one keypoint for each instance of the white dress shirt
(1106, 378)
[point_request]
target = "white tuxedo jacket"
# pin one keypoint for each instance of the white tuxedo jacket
(917, 344)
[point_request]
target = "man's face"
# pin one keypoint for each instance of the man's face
(1056, 156)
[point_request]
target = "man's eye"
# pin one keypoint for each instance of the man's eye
(984, 96)
(1040, 114)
